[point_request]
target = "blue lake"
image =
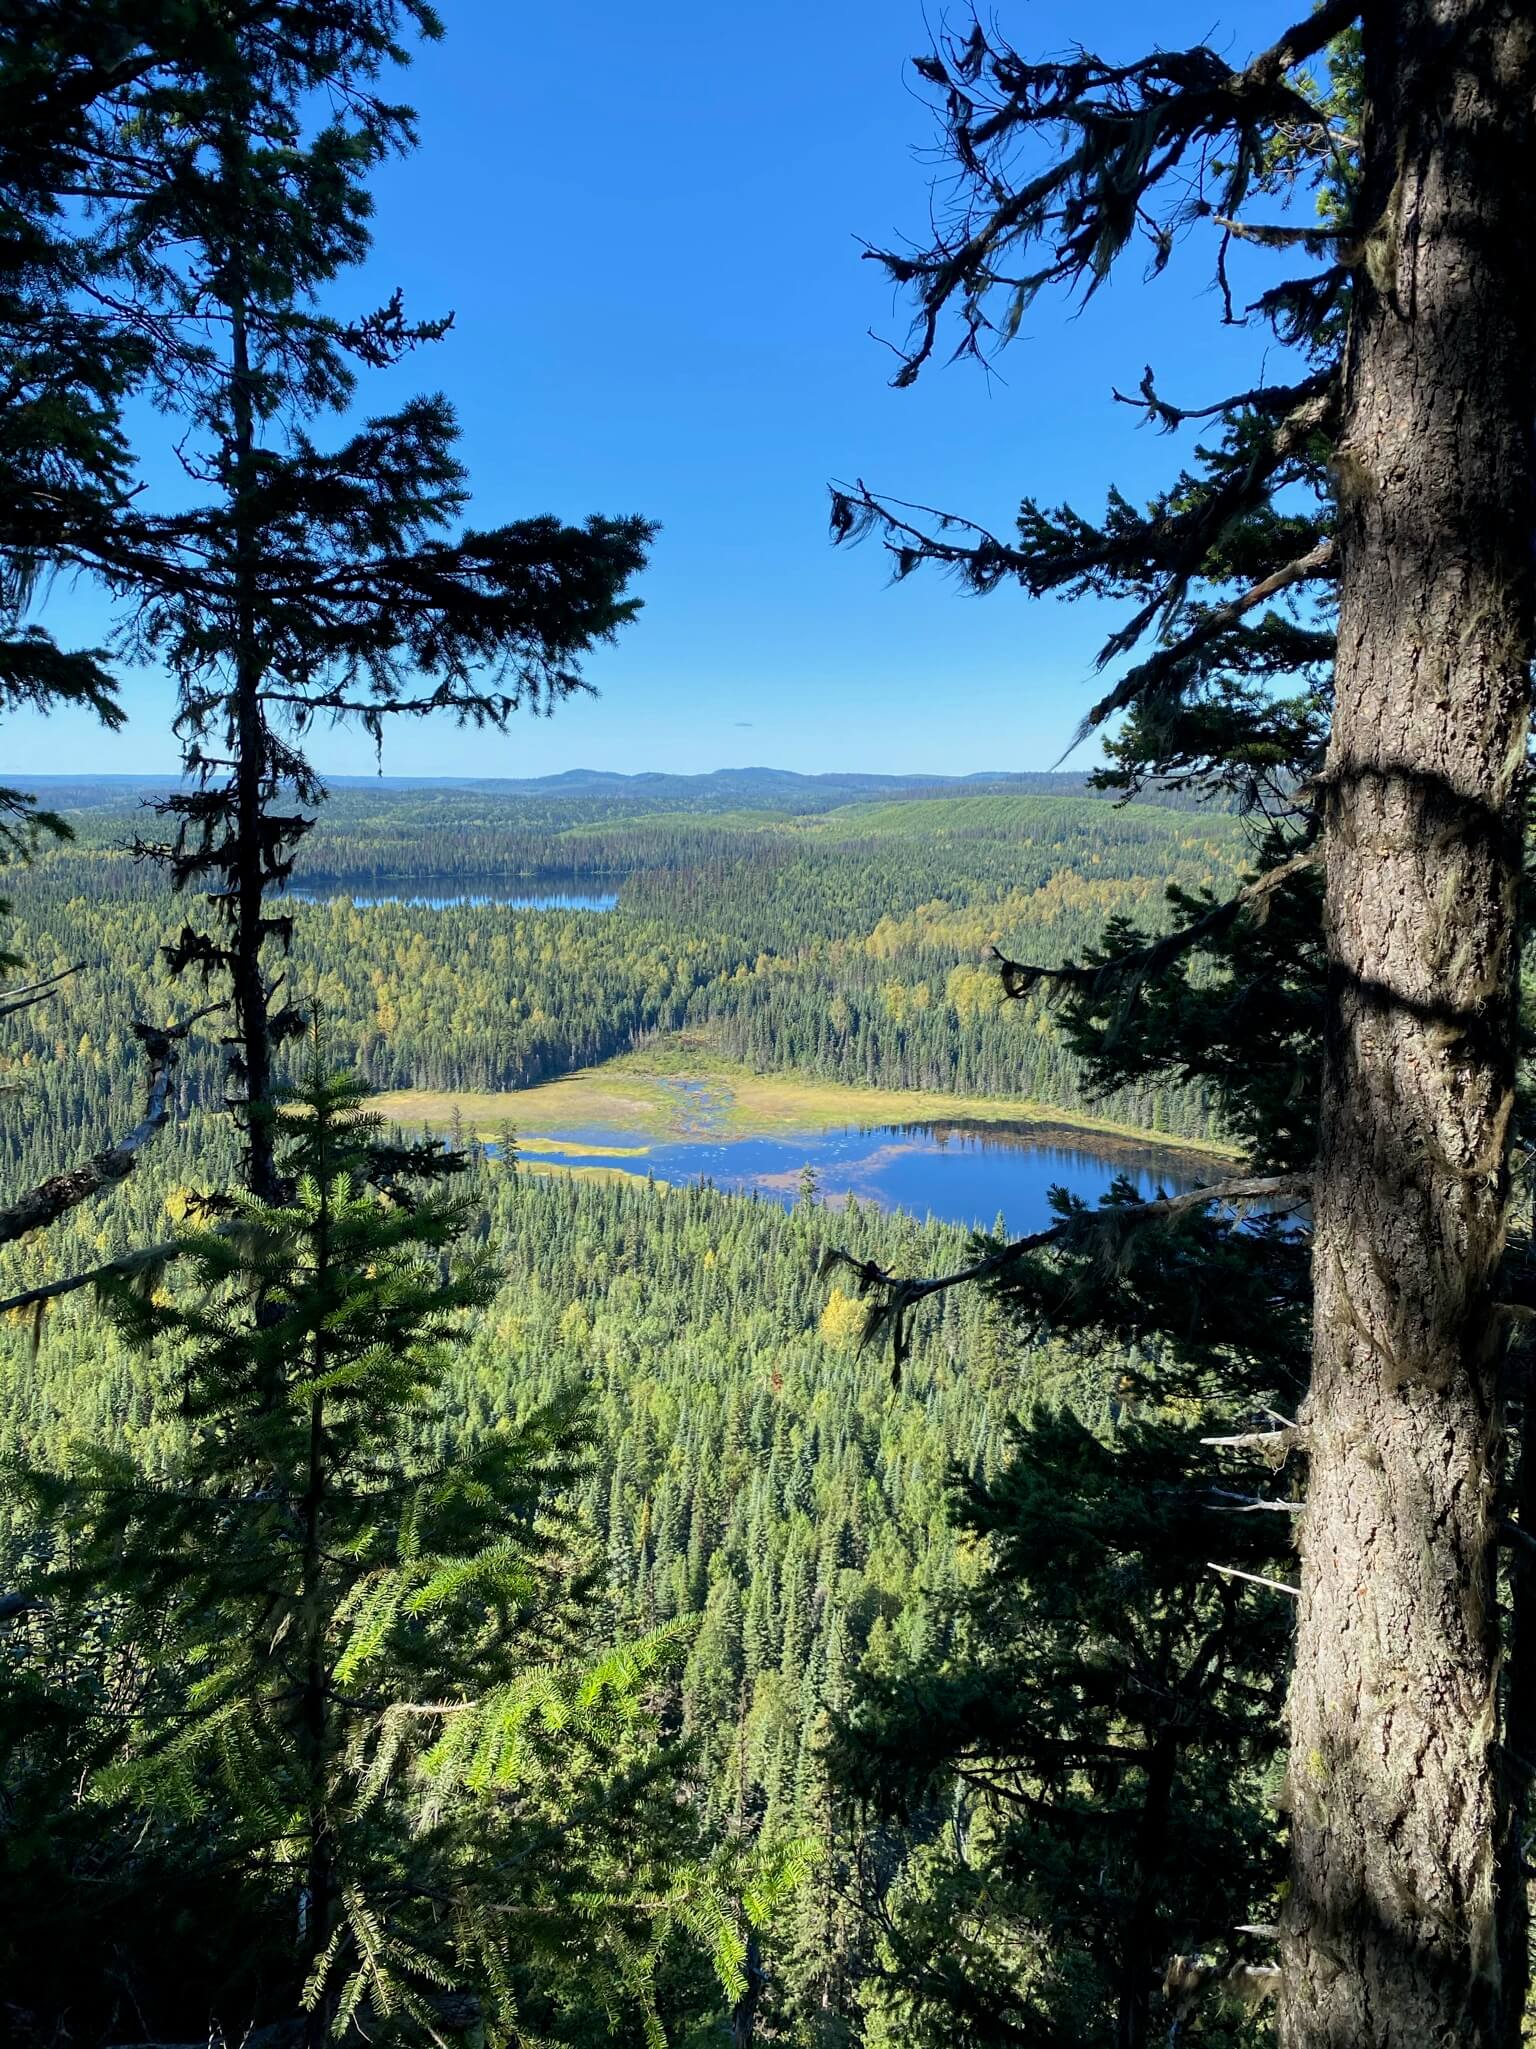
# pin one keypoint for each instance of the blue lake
(532, 896)
(962, 1174)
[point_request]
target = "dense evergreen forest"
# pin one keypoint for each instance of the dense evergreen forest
(750, 1491)
(460, 1593)
(748, 1485)
(745, 1477)
(851, 945)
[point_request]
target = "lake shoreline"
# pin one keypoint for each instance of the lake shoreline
(644, 1092)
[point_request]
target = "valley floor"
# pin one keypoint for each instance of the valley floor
(680, 1090)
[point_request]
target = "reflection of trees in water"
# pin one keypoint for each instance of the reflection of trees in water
(957, 1171)
(1077, 1150)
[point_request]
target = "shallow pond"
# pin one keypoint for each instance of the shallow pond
(960, 1173)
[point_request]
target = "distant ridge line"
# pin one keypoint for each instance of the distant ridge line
(782, 790)
(574, 780)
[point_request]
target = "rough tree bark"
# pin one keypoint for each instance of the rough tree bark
(1391, 1927)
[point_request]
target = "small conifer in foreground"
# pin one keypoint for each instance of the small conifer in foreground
(371, 1677)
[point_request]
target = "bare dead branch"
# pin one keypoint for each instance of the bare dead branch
(1249, 1504)
(1259, 1440)
(60, 1192)
(35, 992)
(1316, 241)
(1313, 32)
(112, 1269)
(1264, 398)
(1259, 1579)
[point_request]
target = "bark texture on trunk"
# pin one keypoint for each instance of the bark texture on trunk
(1519, 1738)
(1391, 1927)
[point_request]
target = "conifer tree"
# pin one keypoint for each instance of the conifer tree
(367, 1641)
(312, 583)
(68, 365)
(1330, 619)
(1083, 1759)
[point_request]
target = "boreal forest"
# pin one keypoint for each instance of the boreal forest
(843, 1409)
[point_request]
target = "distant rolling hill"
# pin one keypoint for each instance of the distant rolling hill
(754, 788)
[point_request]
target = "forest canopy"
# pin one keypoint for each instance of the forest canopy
(459, 1584)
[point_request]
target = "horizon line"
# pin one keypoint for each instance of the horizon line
(103, 775)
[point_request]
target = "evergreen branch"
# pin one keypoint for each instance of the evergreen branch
(1161, 552)
(1315, 411)
(480, 705)
(1021, 978)
(897, 1296)
(1131, 127)
(1261, 398)
(51, 1198)
(1162, 666)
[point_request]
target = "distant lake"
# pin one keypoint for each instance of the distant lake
(960, 1173)
(572, 892)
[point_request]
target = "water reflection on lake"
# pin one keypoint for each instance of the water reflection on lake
(960, 1173)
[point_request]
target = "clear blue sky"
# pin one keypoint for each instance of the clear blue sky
(646, 221)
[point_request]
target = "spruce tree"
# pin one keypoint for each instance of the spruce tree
(311, 583)
(369, 1658)
(1082, 1762)
(1329, 619)
(69, 364)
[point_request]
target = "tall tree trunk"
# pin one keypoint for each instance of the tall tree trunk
(1133, 2016)
(1391, 1924)
(1519, 1737)
(253, 1046)
(744, 2012)
(318, 1917)
(245, 887)
(313, 1732)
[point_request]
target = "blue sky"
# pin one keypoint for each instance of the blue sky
(647, 223)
